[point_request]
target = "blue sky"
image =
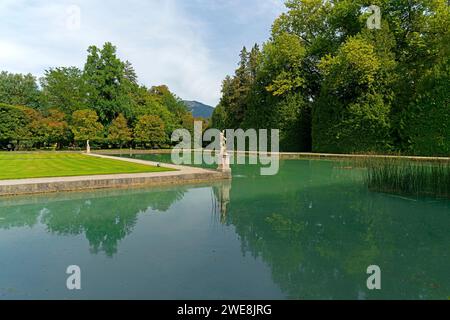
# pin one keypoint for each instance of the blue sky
(190, 45)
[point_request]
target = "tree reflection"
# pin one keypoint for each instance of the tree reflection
(318, 231)
(105, 218)
(314, 225)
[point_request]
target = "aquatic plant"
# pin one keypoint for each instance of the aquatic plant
(403, 176)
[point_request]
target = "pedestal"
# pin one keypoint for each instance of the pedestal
(224, 163)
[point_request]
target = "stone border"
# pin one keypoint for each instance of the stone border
(283, 155)
(182, 175)
(296, 156)
(289, 155)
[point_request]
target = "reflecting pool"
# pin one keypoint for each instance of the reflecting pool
(309, 232)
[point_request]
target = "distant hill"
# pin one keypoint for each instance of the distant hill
(199, 110)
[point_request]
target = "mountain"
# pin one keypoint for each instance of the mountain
(199, 110)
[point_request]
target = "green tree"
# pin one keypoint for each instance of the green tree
(130, 73)
(219, 117)
(352, 114)
(19, 89)
(276, 99)
(166, 98)
(428, 125)
(150, 130)
(108, 81)
(64, 89)
(119, 132)
(85, 125)
(159, 101)
(13, 123)
(361, 89)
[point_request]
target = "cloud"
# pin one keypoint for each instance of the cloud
(190, 46)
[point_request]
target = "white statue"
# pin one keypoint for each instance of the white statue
(223, 143)
(88, 147)
(224, 158)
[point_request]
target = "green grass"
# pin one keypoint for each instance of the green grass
(45, 165)
(409, 178)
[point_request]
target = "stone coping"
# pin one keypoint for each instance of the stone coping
(181, 175)
(28, 199)
(283, 155)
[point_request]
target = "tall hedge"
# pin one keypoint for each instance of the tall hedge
(428, 127)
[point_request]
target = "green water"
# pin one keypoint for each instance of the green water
(309, 232)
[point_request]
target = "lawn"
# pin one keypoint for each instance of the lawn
(40, 165)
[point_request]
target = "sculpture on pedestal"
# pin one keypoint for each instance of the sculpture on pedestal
(224, 158)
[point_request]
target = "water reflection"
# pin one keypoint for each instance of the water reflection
(104, 218)
(319, 229)
(221, 200)
(314, 225)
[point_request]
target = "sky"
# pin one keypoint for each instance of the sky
(189, 45)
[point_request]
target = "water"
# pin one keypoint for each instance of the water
(308, 233)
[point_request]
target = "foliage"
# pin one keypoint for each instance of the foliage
(107, 87)
(150, 129)
(428, 122)
(18, 89)
(13, 123)
(64, 89)
(351, 114)
(358, 90)
(106, 82)
(51, 128)
(119, 132)
(85, 125)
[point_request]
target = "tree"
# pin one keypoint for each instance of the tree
(166, 98)
(187, 122)
(108, 83)
(159, 101)
(13, 123)
(236, 91)
(352, 113)
(130, 73)
(281, 64)
(150, 129)
(119, 132)
(85, 125)
(253, 61)
(362, 90)
(219, 117)
(19, 89)
(64, 89)
(428, 125)
(106, 86)
(51, 128)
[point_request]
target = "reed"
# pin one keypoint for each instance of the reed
(400, 176)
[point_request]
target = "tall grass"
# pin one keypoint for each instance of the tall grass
(400, 176)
